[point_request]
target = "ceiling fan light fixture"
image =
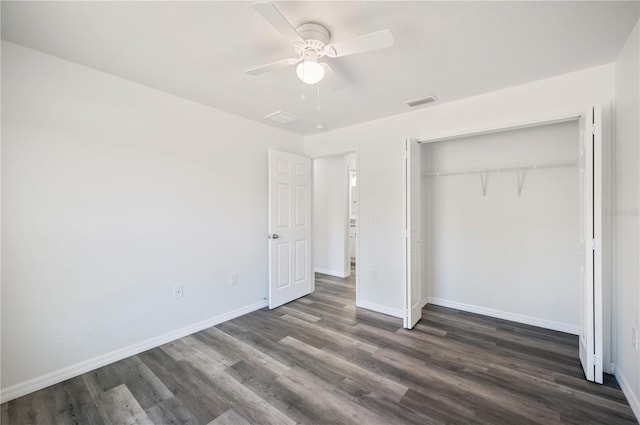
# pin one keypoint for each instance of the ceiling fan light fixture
(310, 71)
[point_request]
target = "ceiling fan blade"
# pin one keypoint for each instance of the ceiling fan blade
(272, 66)
(269, 12)
(363, 43)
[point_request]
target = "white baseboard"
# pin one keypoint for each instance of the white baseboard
(632, 398)
(381, 309)
(332, 272)
(514, 317)
(424, 302)
(77, 369)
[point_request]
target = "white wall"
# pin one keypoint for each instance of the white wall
(505, 255)
(330, 216)
(112, 193)
(625, 216)
(380, 146)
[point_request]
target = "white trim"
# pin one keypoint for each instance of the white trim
(395, 312)
(332, 272)
(500, 128)
(628, 392)
(77, 369)
(514, 317)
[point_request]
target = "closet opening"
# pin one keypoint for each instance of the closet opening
(501, 224)
(514, 225)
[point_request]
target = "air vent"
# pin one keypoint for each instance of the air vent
(281, 117)
(421, 101)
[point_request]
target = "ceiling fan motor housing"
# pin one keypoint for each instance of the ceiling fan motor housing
(316, 37)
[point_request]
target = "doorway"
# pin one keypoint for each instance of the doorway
(350, 159)
(501, 214)
(335, 217)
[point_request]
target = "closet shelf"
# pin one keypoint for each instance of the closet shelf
(500, 170)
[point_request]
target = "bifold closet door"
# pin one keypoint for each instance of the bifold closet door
(413, 189)
(590, 174)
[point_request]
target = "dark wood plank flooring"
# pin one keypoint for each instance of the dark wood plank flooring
(321, 360)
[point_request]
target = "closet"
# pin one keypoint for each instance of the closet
(501, 223)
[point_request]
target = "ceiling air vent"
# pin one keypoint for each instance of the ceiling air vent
(281, 117)
(421, 101)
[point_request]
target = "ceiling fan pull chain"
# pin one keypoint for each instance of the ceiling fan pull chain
(318, 84)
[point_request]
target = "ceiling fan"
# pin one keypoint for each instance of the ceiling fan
(311, 42)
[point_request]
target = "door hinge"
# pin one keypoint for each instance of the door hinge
(593, 244)
(406, 154)
(593, 129)
(594, 358)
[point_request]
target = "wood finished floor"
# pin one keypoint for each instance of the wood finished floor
(320, 360)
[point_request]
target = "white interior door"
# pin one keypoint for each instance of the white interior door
(290, 275)
(590, 250)
(414, 243)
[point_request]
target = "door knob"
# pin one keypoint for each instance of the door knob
(274, 236)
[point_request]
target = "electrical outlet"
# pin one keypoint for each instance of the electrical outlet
(634, 338)
(178, 291)
(233, 279)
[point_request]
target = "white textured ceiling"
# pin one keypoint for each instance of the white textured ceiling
(199, 50)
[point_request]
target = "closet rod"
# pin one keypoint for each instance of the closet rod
(501, 170)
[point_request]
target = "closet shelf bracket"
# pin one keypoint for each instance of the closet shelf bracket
(484, 181)
(521, 176)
